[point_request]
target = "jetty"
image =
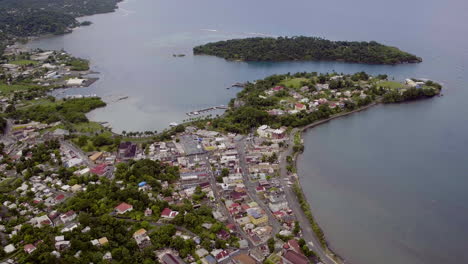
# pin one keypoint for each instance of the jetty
(237, 85)
(201, 111)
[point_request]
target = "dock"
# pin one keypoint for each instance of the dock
(201, 111)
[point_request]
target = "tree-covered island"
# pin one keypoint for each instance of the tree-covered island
(305, 49)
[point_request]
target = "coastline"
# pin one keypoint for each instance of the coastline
(306, 222)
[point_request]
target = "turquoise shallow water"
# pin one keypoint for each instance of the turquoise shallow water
(387, 185)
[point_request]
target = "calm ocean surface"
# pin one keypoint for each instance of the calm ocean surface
(388, 185)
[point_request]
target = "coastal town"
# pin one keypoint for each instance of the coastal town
(207, 191)
(236, 177)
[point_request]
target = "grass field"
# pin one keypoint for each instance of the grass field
(23, 62)
(293, 82)
(391, 84)
(90, 127)
(5, 88)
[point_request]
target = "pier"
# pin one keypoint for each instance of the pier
(201, 111)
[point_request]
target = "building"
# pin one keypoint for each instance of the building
(142, 239)
(256, 217)
(123, 208)
(299, 107)
(168, 213)
(292, 257)
(29, 248)
(103, 240)
(100, 169)
(68, 216)
(96, 156)
(127, 150)
(76, 82)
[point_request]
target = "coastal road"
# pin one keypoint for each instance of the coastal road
(307, 232)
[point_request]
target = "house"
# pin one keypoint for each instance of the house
(62, 245)
(29, 248)
(257, 217)
(223, 234)
(278, 133)
(299, 107)
(168, 213)
(68, 216)
(103, 240)
(76, 188)
(142, 239)
(292, 257)
(221, 256)
(107, 256)
(148, 212)
(123, 208)
(9, 248)
(277, 88)
(41, 221)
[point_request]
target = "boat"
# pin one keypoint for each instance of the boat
(173, 124)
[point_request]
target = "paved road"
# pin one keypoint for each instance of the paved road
(251, 187)
(221, 206)
(78, 152)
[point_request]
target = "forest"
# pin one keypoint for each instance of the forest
(305, 49)
(25, 18)
(72, 110)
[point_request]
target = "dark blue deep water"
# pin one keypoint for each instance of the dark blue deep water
(388, 185)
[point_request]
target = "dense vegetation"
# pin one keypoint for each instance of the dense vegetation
(72, 111)
(24, 18)
(305, 48)
(3, 124)
(95, 206)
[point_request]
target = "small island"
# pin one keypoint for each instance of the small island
(305, 49)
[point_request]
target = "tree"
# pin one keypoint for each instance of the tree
(225, 172)
(271, 244)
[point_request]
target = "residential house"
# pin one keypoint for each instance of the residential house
(123, 208)
(142, 239)
(168, 213)
(68, 216)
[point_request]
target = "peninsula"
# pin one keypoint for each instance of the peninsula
(305, 49)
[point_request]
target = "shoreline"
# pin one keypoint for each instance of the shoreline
(327, 249)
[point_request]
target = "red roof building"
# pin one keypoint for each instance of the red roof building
(291, 257)
(123, 208)
(168, 213)
(300, 107)
(29, 248)
(59, 197)
(277, 88)
(99, 170)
